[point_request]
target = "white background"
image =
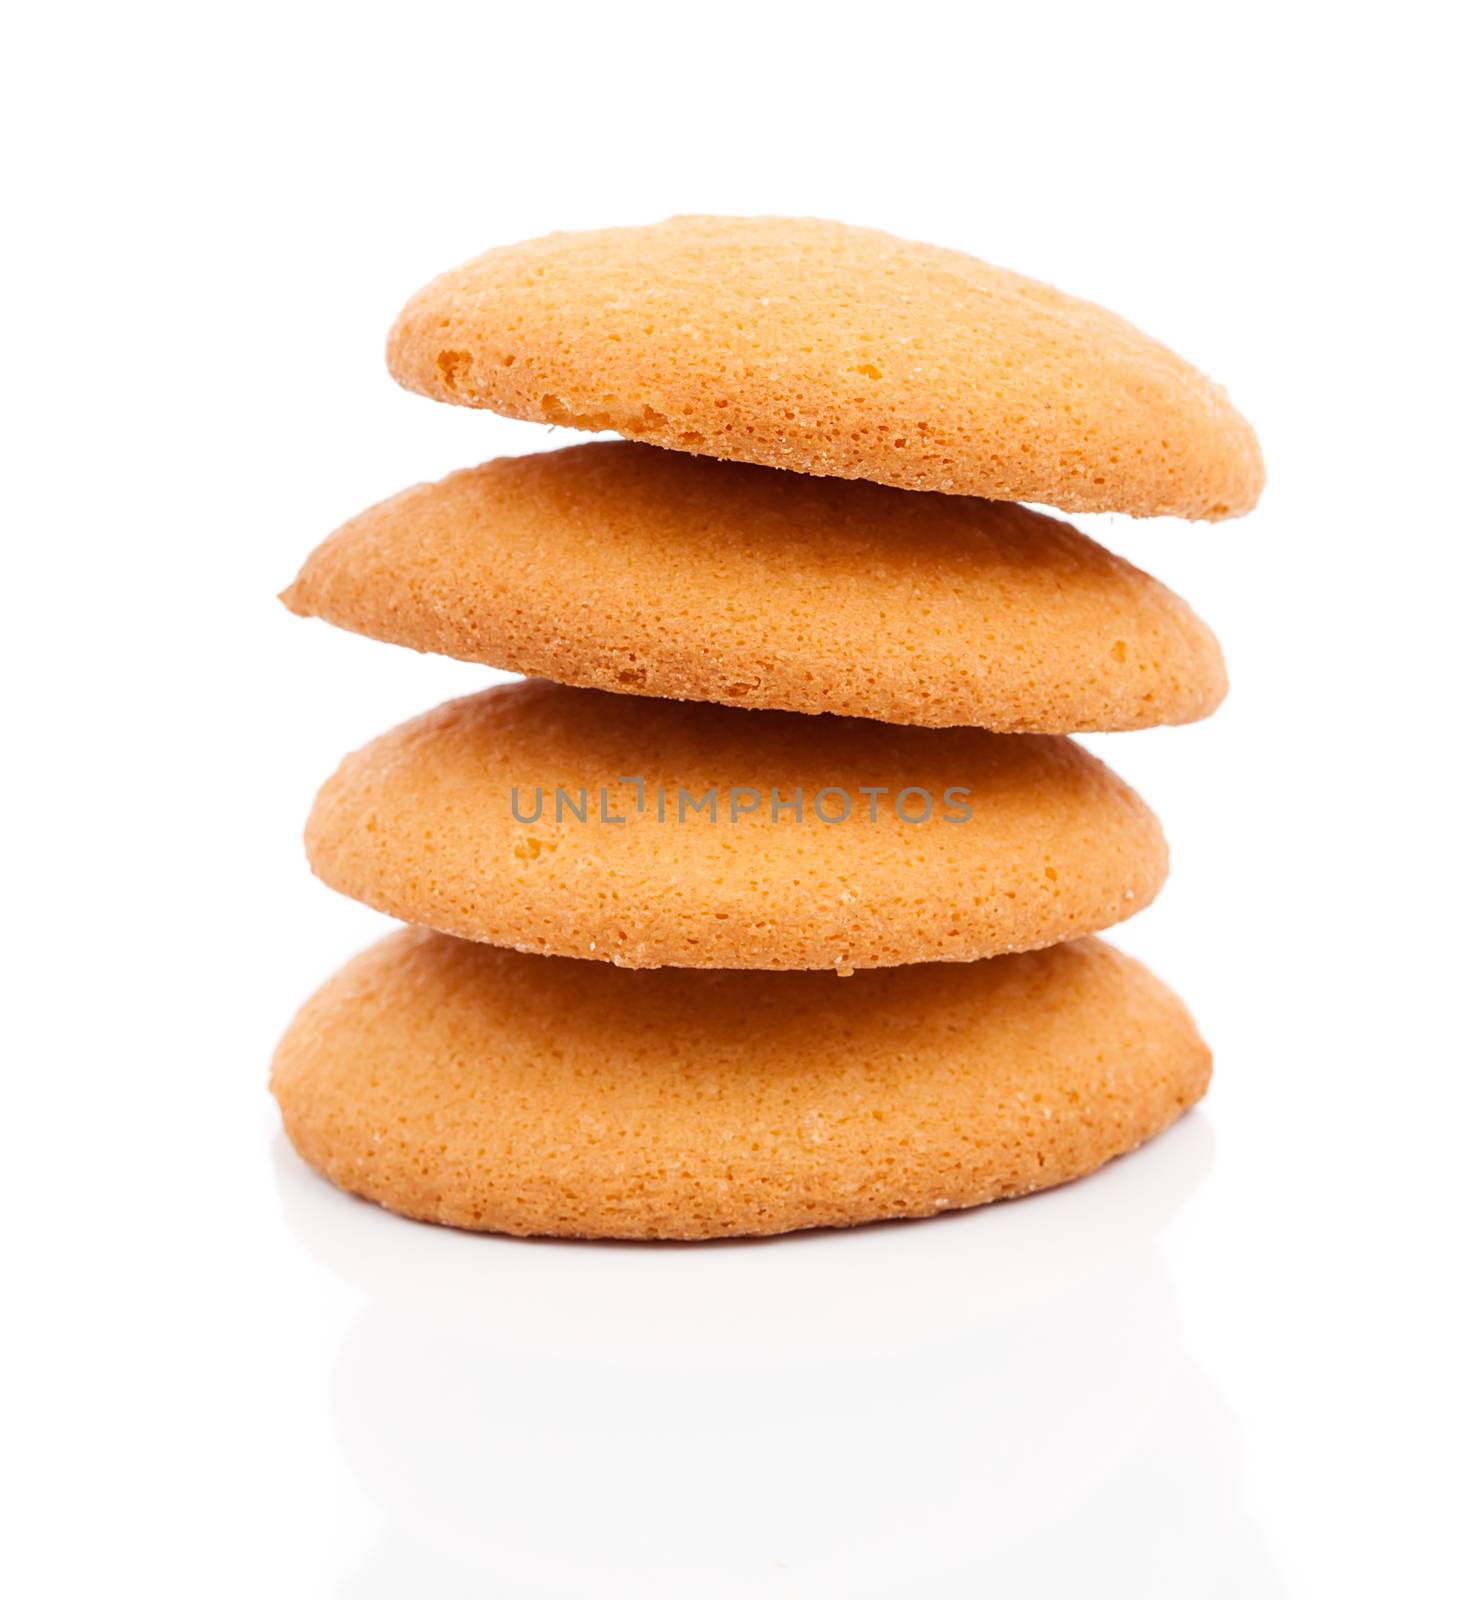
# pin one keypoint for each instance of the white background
(1236, 1364)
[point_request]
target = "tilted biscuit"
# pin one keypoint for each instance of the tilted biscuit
(835, 350)
(617, 566)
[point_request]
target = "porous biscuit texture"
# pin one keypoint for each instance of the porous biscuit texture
(460, 1084)
(668, 833)
(822, 348)
(617, 566)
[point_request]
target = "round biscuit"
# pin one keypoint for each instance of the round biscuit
(670, 833)
(616, 566)
(484, 1089)
(822, 348)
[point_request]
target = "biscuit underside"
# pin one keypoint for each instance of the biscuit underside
(488, 1090)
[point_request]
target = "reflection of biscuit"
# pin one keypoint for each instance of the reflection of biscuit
(466, 820)
(521, 1094)
(832, 350)
(621, 567)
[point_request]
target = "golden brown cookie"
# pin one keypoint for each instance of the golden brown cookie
(616, 566)
(834, 350)
(751, 838)
(485, 1089)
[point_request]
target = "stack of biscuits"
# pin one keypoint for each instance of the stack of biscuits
(767, 899)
